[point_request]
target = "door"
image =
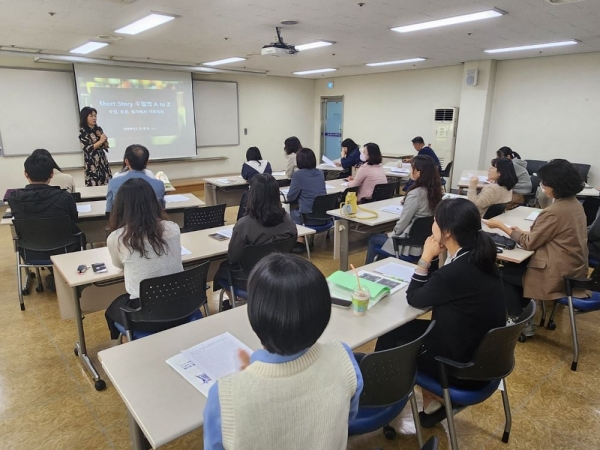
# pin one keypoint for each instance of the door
(331, 126)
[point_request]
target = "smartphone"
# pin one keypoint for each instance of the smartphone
(218, 237)
(341, 302)
(99, 268)
(7, 215)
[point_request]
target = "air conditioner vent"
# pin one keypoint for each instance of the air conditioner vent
(444, 115)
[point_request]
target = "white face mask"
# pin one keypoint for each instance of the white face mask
(363, 157)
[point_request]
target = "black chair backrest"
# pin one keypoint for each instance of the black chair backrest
(171, 299)
(384, 191)
(431, 444)
(389, 375)
(76, 196)
(252, 254)
(44, 235)
(535, 183)
(533, 165)
(495, 355)
(495, 210)
(195, 219)
(418, 234)
(342, 197)
(590, 284)
(321, 205)
(446, 172)
(584, 170)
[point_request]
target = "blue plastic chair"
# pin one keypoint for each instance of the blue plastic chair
(318, 219)
(579, 305)
(493, 361)
(389, 381)
(167, 301)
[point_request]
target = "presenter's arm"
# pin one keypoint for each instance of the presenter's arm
(87, 144)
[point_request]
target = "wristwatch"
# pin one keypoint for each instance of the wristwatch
(423, 264)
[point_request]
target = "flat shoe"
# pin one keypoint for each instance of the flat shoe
(431, 420)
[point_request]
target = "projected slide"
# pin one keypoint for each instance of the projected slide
(153, 108)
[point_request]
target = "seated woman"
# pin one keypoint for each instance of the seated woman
(307, 183)
(350, 157)
(558, 238)
(420, 201)
(60, 179)
(370, 174)
(255, 164)
(277, 397)
(291, 147)
(502, 178)
(465, 295)
(266, 222)
(143, 243)
(523, 185)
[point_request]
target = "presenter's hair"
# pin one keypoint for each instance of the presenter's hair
(39, 167)
(138, 156)
(83, 115)
(43, 151)
(289, 304)
(306, 159)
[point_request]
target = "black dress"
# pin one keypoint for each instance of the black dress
(97, 170)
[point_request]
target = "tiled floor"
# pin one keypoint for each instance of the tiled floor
(48, 402)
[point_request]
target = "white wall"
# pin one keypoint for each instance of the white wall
(548, 108)
(271, 108)
(391, 108)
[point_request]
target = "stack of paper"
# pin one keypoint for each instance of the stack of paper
(393, 209)
(534, 215)
(174, 198)
(227, 232)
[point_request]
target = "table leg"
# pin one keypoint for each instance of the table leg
(214, 193)
(343, 225)
(136, 437)
(80, 347)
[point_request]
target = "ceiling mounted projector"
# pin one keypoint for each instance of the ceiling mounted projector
(278, 48)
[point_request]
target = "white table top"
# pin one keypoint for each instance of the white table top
(514, 217)
(99, 207)
(100, 191)
(327, 167)
(234, 180)
(588, 191)
(382, 216)
(388, 169)
(465, 177)
(198, 242)
(166, 406)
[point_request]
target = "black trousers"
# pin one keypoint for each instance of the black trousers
(512, 277)
(426, 362)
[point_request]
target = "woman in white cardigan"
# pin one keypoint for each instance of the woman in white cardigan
(502, 178)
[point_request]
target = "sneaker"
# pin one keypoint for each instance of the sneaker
(511, 321)
(529, 330)
(299, 248)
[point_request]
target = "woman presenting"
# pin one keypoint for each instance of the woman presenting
(95, 145)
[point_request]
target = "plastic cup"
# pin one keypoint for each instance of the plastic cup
(360, 301)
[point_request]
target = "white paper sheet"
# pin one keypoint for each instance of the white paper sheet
(227, 233)
(327, 161)
(483, 178)
(343, 184)
(185, 251)
(279, 173)
(174, 198)
(393, 209)
(533, 215)
(329, 186)
(397, 170)
(396, 271)
(223, 180)
(84, 208)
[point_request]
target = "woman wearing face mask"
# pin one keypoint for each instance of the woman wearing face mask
(465, 295)
(370, 174)
(420, 201)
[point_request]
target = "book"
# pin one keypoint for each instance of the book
(203, 364)
(341, 285)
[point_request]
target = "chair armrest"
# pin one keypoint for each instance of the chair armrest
(125, 314)
(452, 363)
(572, 282)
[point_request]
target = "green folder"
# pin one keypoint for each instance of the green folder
(341, 285)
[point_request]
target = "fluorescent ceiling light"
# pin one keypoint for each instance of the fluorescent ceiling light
(12, 48)
(450, 21)
(88, 48)
(401, 61)
(224, 61)
(312, 45)
(150, 21)
(532, 47)
(308, 72)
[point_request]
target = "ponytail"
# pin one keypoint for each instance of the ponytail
(507, 152)
(483, 254)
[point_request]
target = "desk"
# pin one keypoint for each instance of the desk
(163, 406)
(70, 284)
(227, 189)
(465, 178)
(99, 192)
(514, 217)
(588, 191)
(343, 224)
(328, 168)
(388, 167)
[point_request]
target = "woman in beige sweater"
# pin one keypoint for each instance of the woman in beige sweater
(502, 178)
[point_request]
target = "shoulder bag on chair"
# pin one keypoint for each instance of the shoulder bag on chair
(350, 208)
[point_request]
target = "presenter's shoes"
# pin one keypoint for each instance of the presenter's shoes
(431, 420)
(299, 248)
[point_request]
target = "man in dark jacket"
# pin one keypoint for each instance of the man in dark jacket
(40, 200)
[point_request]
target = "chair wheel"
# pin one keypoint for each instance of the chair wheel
(522, 338)
(389, 432)
(39, 289)
(25, 291)
(551, 325)
(100, 385)
(76, 351)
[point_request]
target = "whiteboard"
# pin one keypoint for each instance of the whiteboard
(216, 113)
(38, 109)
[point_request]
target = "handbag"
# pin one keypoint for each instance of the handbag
(501, 241)
(350, 208)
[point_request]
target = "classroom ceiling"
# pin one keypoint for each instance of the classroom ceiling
(208, 30)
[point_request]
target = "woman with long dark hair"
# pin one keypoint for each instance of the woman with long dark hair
(290, 147)
(465, 294)
(502, 178)
(94, 144)
(266, 221)
(421, 200)
(143, 243)
(60, 179)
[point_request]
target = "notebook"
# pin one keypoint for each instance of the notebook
(341, 285)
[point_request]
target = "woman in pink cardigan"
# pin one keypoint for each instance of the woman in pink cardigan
(369, 174)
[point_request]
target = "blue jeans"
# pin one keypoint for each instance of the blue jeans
(376, 241)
